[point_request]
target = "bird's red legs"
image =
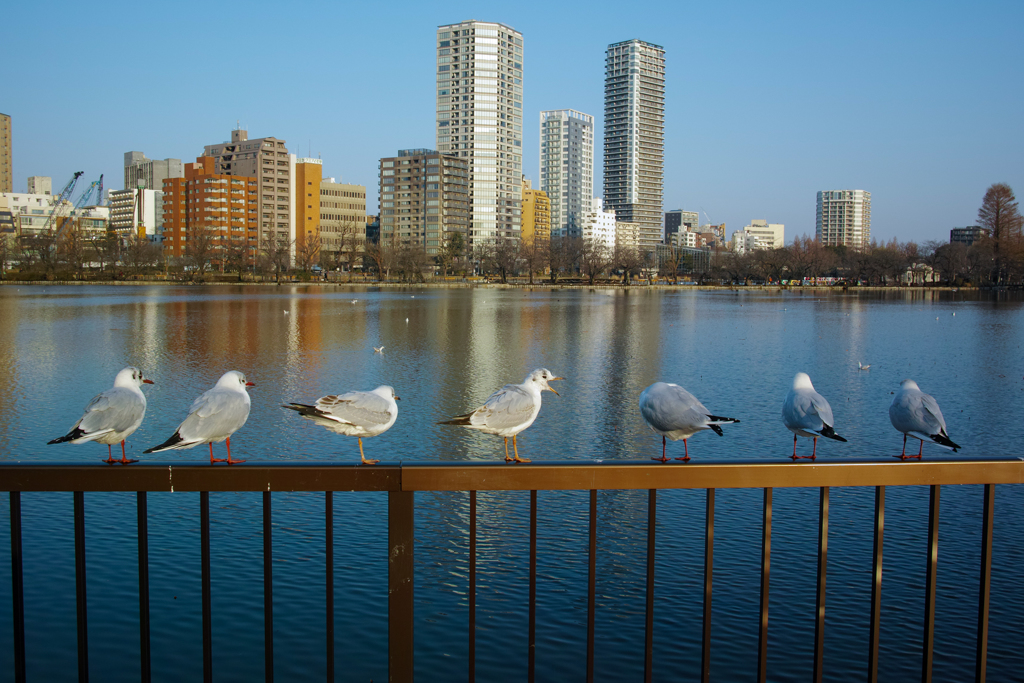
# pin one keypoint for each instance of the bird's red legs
(213, 459)
(365, 461)
(230, 461)
(812, 456)
(124, 458)
(515, 448)
(662, 458)
(904, 456)
(110, 456)
(506, 450)
(686, 452)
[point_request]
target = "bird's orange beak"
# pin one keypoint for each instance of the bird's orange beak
(147, 381)
(397, 398)
(552, 390)
(249, 384)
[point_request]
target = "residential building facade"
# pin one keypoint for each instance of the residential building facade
(634, 135)
(40, 184)
(566, 165)
(424, 198)
(627, 235)
(677, 220)
(767, 235)
(598, 224)
(30, 212)
(967, 236)
(138, 212)
(536, 214)
(151, 172)
(6, 161)
(843, 218)
(480, 120)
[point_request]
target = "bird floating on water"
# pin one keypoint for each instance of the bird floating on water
(509, 410)
(917, 414)
(356, 413)
(805, 412)
(213, 417)
(113, 415)
(378, 349)
(676, 414)
(863, 367)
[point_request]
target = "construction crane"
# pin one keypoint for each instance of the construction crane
(61, 204)
(82, 202)
(96, 185)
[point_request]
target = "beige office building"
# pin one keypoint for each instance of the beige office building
(6, 167)
(342, 216)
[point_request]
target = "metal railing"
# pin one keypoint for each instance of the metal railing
(401, 480)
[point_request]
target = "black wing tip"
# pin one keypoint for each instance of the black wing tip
(828, 432)
(70, 436)
(726, 420)
(175, 439)
(458, 420)
(944, 440)
(305, 410)
(716, 429)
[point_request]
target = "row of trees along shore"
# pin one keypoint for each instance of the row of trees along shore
(996, 259)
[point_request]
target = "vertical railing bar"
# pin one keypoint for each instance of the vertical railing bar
(472, 586)
(766, 561)
(592, 586)
(709, 561)
(204, 541)
(532, 635)
(268, 590)
(985, 588)
(17, 588)
(930, 577)
(819, 600)
(329, 578)
(80, 585)
(401, 607)
(876, 585)
(143, 533)
(652, 504)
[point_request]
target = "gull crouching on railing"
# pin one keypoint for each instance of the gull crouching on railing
(805, 412)
(917, 414)
(112, 416)
(509, 410)
(675, 413)
(213, 417)
(356, 413)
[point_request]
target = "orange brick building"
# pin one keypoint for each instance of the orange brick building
(226, 205)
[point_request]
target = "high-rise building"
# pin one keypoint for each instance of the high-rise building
(223, 206)
(844, 218)
(152, 172)
(138, 212)
(424, 198)
(598, 224)
(634, 135)
(6, 168)
(480, 120)
(267, 160)
(536, 214)
(567, 166)
(308, 176)
(342, 218)
(678, 220)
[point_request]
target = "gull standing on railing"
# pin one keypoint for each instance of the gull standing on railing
(805, 412)
(356, 413)
(509, 410)
(113, 415)
(675, 413)
(213, 417)
(917, 414)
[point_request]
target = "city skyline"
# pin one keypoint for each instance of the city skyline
(758, 112)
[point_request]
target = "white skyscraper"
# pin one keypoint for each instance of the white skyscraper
(634, 135)
(567, 167)
(844, 218)
(480, 118)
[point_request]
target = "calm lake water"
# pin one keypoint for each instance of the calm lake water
(445, 351)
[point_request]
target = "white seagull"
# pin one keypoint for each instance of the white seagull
(805, 412)
(113, 415)
(356, 413)
(378, 349)
(863, 367)
(917, 414)
(675, 413)
(213, 417)
(509, 410)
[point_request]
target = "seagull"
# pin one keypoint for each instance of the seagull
(675, 413)
(213, 417)
(357, 413)
(355, 300)
(509, 410)
(378, 349)
(113, 415)
(863, 367)
(805, 412)
(917, 414)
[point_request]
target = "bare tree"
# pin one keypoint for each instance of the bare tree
(8, 252)
(382, 253)
(563, 252)
(234, 255)
(308, 254)
(277, 252)
(594, 259)
(502, 257)
(1000, 215)
(139, 254)
(200, 247)
(71, 245)
(450, 252)
(534, 255)
(629, 260)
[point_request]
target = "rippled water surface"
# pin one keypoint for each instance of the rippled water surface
(445, 351)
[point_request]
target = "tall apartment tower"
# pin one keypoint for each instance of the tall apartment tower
(152, 172)
(844, 218)
(567, 167)
(267, 160)
(480, 119)
(6, 168)
(424, 198)
(634, 135)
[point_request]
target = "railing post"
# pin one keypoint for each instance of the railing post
(592, 586)
(929, 591)
(143, 533)
(709, 562)
(652, 503)
(80, 585)
(268, 590)
(204, 543)
(401, 536)
(472, 586)
(329, 579)
(532, 637)
(985, 589)
(819, 601)
(17, 588)
(876, 585)
(766, 561)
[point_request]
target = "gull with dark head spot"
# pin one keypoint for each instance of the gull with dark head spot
(112, 416)
(675, 413)
(213, 417)
(806, 413)
(917, 414)
(356, 413)
(509, 410)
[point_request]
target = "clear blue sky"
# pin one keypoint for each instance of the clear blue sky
(920, 103)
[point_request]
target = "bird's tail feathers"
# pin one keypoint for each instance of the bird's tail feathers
(75, 433)
(713, 426)
(945, 442)
(167, 445)
(303, 409)
(715, 419)
(460, 420)
(830, 433)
